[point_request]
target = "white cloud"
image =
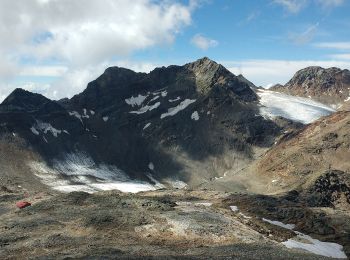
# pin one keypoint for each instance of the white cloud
(43, 71)
(202, 42)
(292, 6)
(82, 35)
(334, 45)
(84, 32)
(267, 72)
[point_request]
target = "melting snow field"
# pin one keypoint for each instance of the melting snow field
(298, 109)
(316, 246)
(79, 173)
(305, 242)
(174, 110)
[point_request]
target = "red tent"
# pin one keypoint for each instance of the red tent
(23, 204)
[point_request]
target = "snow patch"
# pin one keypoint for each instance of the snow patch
(76, 114)
(151, 166)
(280, 224)
(298, 109)
(174, 100)
(153, 99)
(195, 116)
(164, 93)
(85, 115)
(315, 246)
(305, 242)
(135, 101)
(146, 126)
(44, 127)
(177, 184)
(174, 110)
(78, 172)
(234, 208)
(105, 118)
(34, 131)
(92, 112)
(146, 108)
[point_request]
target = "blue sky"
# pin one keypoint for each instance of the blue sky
(55, 47)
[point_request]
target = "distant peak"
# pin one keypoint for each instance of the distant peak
(25, 99)
(205, 60)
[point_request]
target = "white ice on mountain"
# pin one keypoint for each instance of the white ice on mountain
(305, 242)
(40, 126)
(174, 100)
(298, 109)
(280, 224)
(76, 114)
(316, 246)
(195, 116)
(34, 131)
(135, 101)
(174, 110)
(146, 126)
(146, 108)
(151, 166)
(78, 172)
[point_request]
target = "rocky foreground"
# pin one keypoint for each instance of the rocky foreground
(166, 224)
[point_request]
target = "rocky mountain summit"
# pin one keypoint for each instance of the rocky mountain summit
(176, 124)
(329, 86)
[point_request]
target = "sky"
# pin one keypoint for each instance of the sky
(55, 47)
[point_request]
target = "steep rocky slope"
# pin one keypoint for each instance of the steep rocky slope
(329, 86)
(176, 124)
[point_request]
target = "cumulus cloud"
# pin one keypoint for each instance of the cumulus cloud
(270, 72)
(202, 42)
(82, 34)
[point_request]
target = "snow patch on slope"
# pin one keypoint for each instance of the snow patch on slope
(146, 108)
(316, 246)
(195, 116)
(45, 128)
(78, 172)
(280, 224)
(135, 101)
(305, 242)
(174, 110)
(298, 109)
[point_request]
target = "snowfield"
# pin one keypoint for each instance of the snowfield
(78, 172)
(297, 109)
(307, 243)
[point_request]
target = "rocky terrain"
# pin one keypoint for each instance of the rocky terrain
(220, 168)
(329, 86)
(158, 225)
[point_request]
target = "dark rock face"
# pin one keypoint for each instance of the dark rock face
(195, 119)
(329, 188)
(328, 86)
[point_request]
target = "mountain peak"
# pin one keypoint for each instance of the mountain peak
(23, 99)
(329, 86)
